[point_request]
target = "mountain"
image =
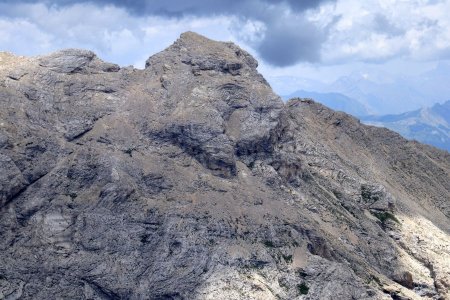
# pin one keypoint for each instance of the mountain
(383, 97)
(191, 179)
(334, 101)
(377, 91)
(427, 125)
(433, 84)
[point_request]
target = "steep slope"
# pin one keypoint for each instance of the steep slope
(427, 125)
(192, 180)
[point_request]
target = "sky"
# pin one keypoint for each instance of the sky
(300, 44)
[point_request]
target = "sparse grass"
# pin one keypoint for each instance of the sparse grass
(269, 244)
(367, 196)
(383, 216)
(72, 195)
(302, 288)
(287, 258)
(376, 279)
(129, 151)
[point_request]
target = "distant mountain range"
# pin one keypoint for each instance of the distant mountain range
(336, 101)
(379, 92)
(383, 93)
(427, 125)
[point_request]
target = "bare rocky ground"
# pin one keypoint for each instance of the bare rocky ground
(191, 179)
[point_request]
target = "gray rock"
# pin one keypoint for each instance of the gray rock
(191, 179)
(75, 61)
(11, 180)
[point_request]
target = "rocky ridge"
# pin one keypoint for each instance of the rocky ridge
(191, 179)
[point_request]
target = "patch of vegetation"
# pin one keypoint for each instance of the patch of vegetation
(366, 195)
(287, 258)
(145, 238)
(269, 244)
(383, 216)
(369, 195)
(375, 279)
(302, 288)
(129, 151)
(72, 195)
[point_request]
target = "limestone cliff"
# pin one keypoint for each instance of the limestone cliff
(191, 179)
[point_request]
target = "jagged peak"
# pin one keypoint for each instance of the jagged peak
(196, 49)
(193, 37)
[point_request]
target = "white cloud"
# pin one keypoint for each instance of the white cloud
(23, 37)
(111, 32)
(376, 31)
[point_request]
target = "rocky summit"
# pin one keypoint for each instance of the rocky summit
(191, 179)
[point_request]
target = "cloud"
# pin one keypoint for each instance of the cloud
(279, 32)
(287, 43)
(112, 32)
(283, 42)
(382, 24)
(248, 8)
(379, 31)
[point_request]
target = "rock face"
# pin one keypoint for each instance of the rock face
(191, 179)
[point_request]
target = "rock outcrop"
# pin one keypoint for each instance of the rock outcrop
(191, 179)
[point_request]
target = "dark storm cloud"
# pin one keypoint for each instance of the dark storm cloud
(287, 43)
(284, 43)
(183, 7)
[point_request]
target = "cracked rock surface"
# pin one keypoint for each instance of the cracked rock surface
(191, 179)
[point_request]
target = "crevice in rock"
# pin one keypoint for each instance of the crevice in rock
(88, 126)
(71, 138)
(102, 291)
(23, 190)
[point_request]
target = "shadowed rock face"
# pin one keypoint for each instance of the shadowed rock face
(191, 179)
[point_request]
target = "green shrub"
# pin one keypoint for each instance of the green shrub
(302, 288)
(269, 244)
(287, 258)
(383, 216)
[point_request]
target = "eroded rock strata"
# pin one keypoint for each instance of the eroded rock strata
(191, 179)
